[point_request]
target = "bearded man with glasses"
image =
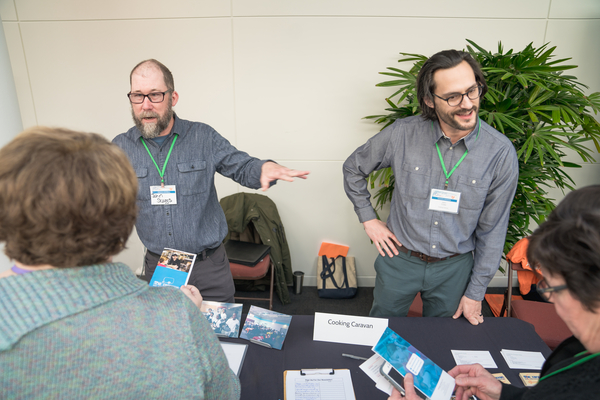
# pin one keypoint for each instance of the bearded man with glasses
(455, 179)
(175, 162)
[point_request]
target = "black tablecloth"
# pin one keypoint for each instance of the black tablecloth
(262, 371)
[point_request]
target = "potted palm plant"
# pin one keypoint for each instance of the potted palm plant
(531, 100)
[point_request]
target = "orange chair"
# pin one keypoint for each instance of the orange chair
(546, 322)
(259, 271)
(416, 308)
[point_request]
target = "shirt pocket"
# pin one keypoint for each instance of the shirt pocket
(473, 191)
(414, 180)
(192, 177)
(143, 185)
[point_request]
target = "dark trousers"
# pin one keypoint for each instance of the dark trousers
(211, 275)
(399, 279)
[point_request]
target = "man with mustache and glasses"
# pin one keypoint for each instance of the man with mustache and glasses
(455, 179)
(175, 162)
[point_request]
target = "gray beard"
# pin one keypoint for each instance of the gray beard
(150, 131)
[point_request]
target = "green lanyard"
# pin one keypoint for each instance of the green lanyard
(448, 175)
(161, 173)
(576, 363)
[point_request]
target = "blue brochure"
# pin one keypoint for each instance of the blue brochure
(173, 269)
(430, 379)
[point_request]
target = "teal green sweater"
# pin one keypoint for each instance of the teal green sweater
(99, 332)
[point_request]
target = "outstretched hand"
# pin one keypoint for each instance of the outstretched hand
(382, 237)
(272, 171)
(471, 309)
(193, 293)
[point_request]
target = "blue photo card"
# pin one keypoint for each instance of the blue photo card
(430, 379)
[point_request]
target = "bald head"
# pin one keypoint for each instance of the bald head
(151, 65)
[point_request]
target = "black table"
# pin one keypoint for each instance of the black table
(262, 371)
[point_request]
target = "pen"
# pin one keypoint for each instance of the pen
(354, 357)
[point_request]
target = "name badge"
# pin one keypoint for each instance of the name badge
(444, 201)
(163, 196)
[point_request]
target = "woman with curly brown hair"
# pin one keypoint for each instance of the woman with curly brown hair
(74, 324)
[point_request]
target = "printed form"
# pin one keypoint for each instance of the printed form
(319, 384)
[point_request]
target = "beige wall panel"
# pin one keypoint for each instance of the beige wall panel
(303, 85)
(7, 10)
(409, 8)
(60, 10)
(89, 92)
(575, 9)
(576, 39)
(20, 73)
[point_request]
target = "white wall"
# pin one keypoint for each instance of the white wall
(288, 80)
(9, 115)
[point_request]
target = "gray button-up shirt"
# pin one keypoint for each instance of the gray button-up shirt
(486, 179)
(197, 221)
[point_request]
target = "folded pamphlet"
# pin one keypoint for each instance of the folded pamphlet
(429, 379)
(173, 269)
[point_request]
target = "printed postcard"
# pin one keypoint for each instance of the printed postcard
(224, 318)
(173, 269)
(266, 327)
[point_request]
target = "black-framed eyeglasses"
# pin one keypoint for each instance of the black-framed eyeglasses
(546, 290)
(154, 97)
(456, 99)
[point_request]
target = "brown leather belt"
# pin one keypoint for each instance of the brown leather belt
(423, 257)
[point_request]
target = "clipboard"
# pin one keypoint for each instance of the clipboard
(303, 384)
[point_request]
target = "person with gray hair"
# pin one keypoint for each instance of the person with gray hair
(566, 250)
(455, 178)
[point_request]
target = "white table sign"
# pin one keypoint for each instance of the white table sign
(348, 329)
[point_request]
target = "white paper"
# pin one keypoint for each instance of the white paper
(523, 359)
(163, 196)
(348, 329)
(319, 386)
(462, 357)
(235, 353)
(372, 368)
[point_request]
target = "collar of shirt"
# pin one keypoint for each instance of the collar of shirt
(469, 139)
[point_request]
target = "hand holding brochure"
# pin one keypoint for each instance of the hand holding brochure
(173, 269)
(429, 379)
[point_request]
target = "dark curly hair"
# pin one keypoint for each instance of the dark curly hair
(567, 244)
(67, 198)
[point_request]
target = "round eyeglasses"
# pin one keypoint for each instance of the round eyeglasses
(154, 97)
(455, 99)
(546, 290)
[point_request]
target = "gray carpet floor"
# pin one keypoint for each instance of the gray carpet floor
(309, 302)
